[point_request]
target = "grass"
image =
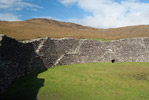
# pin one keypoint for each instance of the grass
(99, 39)
(102, 39)
(94, 81)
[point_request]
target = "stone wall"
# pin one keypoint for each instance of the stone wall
(124, 50)
(20, 58)
(72, 51)
(16, 59)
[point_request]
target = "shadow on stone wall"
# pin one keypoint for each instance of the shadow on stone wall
(25, 88)
(16, 60)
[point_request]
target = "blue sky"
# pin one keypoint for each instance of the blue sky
(53, 9)
(95, 13)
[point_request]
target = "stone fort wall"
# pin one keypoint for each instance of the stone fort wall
(20, 58)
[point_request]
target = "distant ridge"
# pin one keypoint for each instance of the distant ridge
(40, 27)
(60, 24)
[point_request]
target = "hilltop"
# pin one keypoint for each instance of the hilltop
(35, 28)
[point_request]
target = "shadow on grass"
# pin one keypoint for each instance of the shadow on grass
(25, 88)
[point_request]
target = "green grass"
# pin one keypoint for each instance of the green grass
(99, 39)
(102, 39)
(94, 81)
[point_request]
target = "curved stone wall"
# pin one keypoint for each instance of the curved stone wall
(72, 51)
(20, 58)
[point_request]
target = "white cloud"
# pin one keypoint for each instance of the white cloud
(9, 17)
(9, 7)
(110, 14)
(16, 4)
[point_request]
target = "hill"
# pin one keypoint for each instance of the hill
(35, 28)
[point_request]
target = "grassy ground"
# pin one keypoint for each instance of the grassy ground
(94, 81)
(101, 39)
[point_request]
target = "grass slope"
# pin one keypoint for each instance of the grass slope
(35, 28)
(94, 81)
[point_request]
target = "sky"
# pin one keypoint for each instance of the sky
(94, 13)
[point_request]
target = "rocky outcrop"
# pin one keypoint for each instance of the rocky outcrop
(20, 58)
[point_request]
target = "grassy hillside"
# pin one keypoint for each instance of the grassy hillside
(35, 28)
(94, 81)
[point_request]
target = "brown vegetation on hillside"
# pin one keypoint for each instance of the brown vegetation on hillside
(36, 28)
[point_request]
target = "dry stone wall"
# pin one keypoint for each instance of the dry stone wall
(16, 60)
(72, 51)
(20, 58)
